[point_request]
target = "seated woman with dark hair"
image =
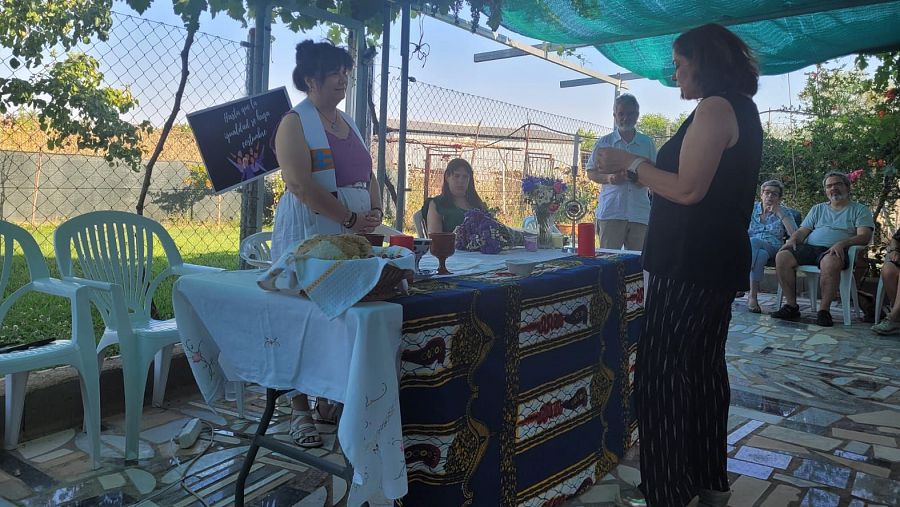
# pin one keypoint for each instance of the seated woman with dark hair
(458, 195)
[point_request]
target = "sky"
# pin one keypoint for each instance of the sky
(525, 81)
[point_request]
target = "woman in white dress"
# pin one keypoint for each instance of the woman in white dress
(327, 171)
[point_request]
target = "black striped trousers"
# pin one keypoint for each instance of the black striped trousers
(682, 391)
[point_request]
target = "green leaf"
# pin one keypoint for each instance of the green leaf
(138, 5)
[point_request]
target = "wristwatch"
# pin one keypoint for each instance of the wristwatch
(631, 172)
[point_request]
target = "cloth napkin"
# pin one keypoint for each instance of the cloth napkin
(333, 286)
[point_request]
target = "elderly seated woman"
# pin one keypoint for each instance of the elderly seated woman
(770, 224)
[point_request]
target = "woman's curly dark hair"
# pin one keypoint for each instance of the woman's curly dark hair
(316, 60)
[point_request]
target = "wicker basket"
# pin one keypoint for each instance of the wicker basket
(391, 284)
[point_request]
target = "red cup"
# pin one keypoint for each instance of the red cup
(586, 240)
(401, 240)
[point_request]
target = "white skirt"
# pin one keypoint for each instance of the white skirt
(295, 222)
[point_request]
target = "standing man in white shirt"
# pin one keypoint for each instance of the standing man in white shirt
(623, 209)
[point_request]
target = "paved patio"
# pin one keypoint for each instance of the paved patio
(815, 421)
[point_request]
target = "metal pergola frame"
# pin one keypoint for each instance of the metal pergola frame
(516, 48)
(258, 78)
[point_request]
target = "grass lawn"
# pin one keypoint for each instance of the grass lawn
(38, 316)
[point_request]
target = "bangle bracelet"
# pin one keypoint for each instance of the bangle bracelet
(350, 222)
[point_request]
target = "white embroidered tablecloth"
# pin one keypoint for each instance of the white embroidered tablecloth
(233, 330)
(470, 263)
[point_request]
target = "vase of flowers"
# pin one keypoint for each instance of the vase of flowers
(544, 195)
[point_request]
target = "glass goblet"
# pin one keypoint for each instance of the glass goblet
(420, 248)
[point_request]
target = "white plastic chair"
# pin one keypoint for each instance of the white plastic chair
(388, 231)
(419, 222)
(879, 298)
(77, 351)
(256, 249)
(847, 286)
(116, 253)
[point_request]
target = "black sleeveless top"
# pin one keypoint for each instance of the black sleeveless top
(707, 243)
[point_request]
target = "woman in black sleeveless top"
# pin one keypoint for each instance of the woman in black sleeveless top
(697, 253)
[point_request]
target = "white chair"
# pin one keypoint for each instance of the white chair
(419, 222)
(387, 231)
(879, 298)
(116, 253)
(847, 286)
(77, 351)
(256, 249)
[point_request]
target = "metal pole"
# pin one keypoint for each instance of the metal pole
(253, 194)
(404, 89)
(383, 99)
(576, 160)
(426, 186)
(263, 42)
(361, 103)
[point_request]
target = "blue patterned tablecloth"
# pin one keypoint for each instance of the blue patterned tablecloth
(518, 391)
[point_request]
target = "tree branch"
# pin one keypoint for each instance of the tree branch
(148, 172)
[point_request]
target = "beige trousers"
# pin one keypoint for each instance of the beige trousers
(614, 234)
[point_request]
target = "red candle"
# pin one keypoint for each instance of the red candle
(402, 240)
(586, 240)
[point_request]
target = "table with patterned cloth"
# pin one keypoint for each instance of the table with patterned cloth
(517, 390)
(513, 390)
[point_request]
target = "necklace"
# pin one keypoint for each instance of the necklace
(333, 122)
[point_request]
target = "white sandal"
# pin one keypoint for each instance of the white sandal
(303, 429)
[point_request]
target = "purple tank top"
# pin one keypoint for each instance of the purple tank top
(352, 161)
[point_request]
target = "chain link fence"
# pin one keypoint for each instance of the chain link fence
(40, 188)
(503, 142)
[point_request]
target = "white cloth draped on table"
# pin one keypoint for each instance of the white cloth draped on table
(334, 286)
(233, 330)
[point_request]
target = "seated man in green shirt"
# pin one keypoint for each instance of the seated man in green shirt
(828, 231)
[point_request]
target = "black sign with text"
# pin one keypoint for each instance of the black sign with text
(234, 138)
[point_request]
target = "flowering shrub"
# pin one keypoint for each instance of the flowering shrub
(850, 125)
(481, 232)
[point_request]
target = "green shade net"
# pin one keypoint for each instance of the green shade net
(638, 34)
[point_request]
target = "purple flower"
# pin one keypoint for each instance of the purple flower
(481, 232)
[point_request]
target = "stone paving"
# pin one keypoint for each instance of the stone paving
(815, 422)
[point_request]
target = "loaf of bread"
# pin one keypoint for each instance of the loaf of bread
(336, 247)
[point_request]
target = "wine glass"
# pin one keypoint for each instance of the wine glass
(443, 245)
(420, 248)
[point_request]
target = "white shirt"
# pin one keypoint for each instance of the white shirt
(625, 201)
